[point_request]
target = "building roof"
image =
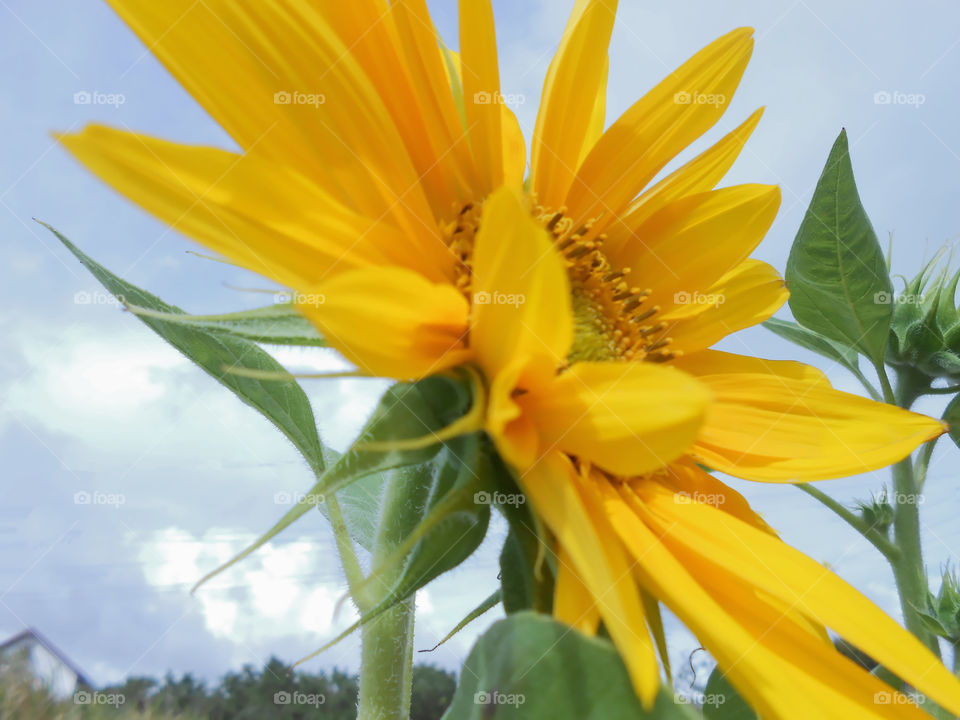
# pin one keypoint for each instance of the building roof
(30, 634)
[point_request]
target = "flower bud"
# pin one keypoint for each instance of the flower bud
(925, 333)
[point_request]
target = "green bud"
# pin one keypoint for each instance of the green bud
(925, 332)
(943, 612)
(878, 513)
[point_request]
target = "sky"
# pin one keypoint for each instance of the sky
(181, 475)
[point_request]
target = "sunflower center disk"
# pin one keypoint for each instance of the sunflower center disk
(612, 320)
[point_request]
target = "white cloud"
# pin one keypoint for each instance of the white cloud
(274, 592)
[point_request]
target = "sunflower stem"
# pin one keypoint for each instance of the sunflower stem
(386, 644)
(908, 569)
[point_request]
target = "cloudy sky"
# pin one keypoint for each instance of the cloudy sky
(92, 402)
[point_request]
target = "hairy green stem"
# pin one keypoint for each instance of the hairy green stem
(386, 645)
(908, 569)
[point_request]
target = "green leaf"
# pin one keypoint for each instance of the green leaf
(722, 702)
(530, 666)
(488, 604)
(279, 324)
(282, 402)
(815, 342)
(838, 278)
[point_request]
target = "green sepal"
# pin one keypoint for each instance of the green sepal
(406, 411)
(279, 324)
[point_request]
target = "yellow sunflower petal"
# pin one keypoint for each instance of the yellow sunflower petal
(768, 425)
(391, 322)
(764, 562)
(783, 670)
(690, 244)
(371, 29)
(628, 418)
(481, 91)
(258, 214)
(580, 527)
(514, 149)
(698, 175)
(692, 484)
(745, 296)
(282, 83)
(521, 294)
(568, 114)
(657, 127)
(572, 602)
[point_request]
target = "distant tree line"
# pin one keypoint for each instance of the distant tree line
(274, 693)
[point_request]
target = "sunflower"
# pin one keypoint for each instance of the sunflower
(383, 173)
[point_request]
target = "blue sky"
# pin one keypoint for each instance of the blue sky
(91, 401)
